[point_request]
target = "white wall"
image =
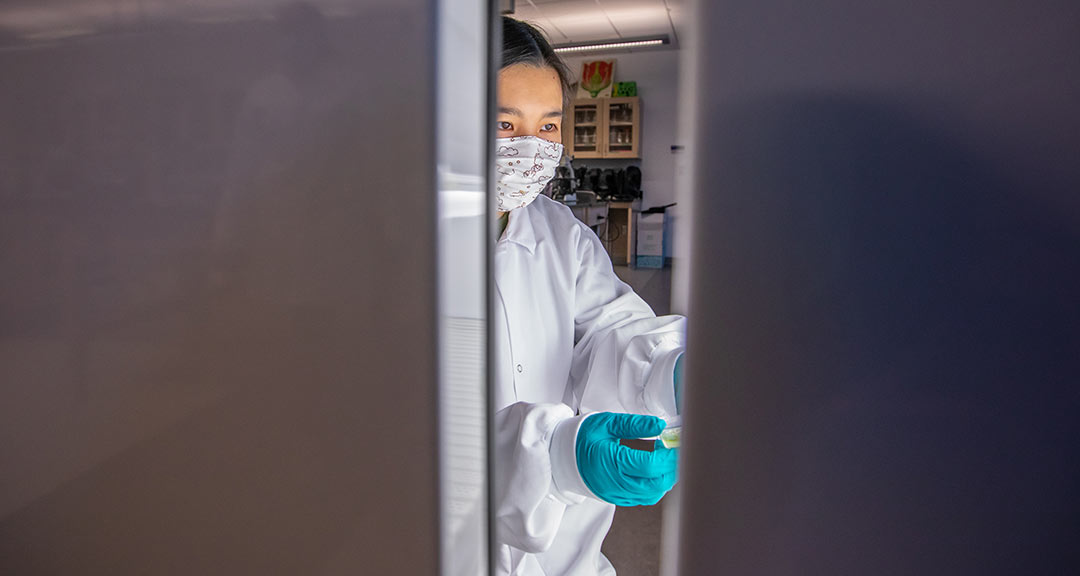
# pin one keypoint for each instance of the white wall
(657, 77)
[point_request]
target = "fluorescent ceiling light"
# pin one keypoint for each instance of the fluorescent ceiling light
(611, 45)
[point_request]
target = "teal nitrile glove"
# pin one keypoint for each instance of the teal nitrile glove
(619, 474)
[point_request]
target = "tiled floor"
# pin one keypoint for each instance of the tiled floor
(633, 544)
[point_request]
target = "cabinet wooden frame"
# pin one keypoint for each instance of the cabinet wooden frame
(603, 125)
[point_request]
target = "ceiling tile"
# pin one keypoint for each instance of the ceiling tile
(584, 21)
(523, 11)
(638, 17)
(580, 21)
(680, 16)
(568, 21)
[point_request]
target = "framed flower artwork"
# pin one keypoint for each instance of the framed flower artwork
(596, 79)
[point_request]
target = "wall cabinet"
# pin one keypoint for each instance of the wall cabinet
(603, 128)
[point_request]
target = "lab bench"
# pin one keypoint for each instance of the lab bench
(613, 222)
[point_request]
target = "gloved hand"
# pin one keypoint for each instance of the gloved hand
(618, 474)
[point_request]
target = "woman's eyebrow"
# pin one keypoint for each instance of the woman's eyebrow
(517, 112)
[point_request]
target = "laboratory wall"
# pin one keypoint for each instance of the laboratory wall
(884, 332)
(657, 75)
(218, 305)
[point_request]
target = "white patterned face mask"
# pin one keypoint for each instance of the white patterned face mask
(523, 167)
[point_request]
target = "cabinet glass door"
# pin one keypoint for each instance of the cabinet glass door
(622, 126)
(586, 128)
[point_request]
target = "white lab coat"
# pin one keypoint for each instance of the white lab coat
(570, 339)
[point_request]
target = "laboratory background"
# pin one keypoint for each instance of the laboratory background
(246, 255)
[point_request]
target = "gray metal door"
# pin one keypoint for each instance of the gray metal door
(884, 332)
(218, 299)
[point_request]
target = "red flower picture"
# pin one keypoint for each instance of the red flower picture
(597, 75)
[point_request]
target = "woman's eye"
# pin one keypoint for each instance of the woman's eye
(505, 126)
(549, 128)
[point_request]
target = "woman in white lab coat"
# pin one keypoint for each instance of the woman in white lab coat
(579, 357)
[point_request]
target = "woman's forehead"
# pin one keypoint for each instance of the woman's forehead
(523, 86)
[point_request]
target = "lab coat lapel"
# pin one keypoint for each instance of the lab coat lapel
(520, 230)
(512, 278)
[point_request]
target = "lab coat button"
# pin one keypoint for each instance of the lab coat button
(519, 368)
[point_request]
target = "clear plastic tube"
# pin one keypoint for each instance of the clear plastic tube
(672, 432)
(670, 436)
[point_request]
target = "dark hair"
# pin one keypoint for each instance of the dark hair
(525, 44)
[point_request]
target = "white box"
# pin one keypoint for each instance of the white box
(650, 241)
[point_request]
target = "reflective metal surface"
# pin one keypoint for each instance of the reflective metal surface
(463, 224)
(217, 312)
(884, 336)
